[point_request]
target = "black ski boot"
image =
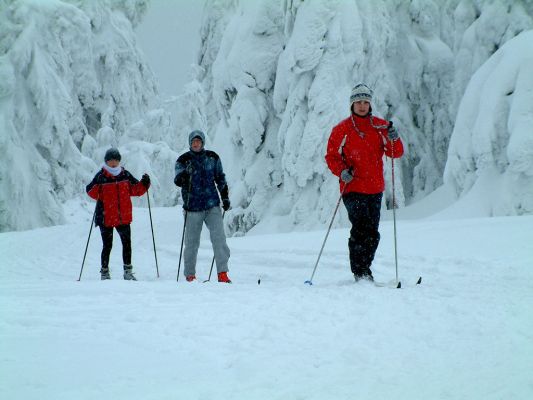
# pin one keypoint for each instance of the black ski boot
(128, 273)
(104, 274)
(365, 276)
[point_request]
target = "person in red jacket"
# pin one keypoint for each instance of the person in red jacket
(112, 187)
(355, 154)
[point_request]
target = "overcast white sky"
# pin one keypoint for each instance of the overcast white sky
(169, 36)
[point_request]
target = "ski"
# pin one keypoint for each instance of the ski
(396, 285)
(392, 285)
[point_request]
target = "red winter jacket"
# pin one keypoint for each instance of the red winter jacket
(363, 150)
(113, 195)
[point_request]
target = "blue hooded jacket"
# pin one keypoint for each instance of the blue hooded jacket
(197, 173)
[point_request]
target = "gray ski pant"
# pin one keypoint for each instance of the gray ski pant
(193, 229)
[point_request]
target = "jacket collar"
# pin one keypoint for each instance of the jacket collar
(197, 153)
(108, 173)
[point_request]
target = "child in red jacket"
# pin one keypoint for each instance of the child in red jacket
(112, 188)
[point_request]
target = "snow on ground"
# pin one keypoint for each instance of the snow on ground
(465, 333)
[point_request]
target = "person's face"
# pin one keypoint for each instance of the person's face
(196, 144)
(361, 107)
(113, 163)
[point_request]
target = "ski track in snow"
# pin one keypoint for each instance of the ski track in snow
(456, 336)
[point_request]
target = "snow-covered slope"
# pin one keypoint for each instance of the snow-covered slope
(276, 75)
(465, 333)
(73, 83)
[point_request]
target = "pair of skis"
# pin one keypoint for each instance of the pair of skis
(393, 284)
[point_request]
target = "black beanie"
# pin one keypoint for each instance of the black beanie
(112, 154)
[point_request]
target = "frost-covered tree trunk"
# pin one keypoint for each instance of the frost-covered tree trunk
(277, 76)
(73, 83)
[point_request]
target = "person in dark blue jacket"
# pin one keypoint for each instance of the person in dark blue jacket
(200, 175)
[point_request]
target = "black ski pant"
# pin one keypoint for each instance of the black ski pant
(364, 213)
(124, 232)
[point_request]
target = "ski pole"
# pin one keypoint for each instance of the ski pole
(211, 270)
(398, 284)
(88, 239)
(213, 260)
(310, 281)
(189, 170)
(153, 236)
(181, 248)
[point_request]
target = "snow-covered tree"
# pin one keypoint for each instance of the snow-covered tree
(277, 76)
(491, 149)
(73, 84)
(273, 77)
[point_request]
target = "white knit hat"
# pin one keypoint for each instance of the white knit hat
(361, 92)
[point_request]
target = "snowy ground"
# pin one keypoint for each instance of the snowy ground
(466, 333)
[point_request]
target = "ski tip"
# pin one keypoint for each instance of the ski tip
(308, 283)
(399, 285)
(419, 281)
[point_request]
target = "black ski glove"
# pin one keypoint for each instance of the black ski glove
(145, 180)
(182, 179)
(224, 194)
(226, 204)
(393, 133)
